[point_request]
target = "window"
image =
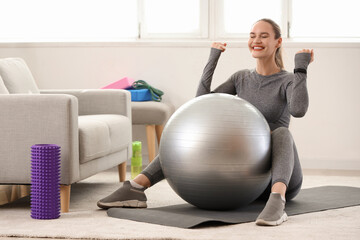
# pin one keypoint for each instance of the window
(67, 20)
(174, 18)
(236, 17)
(325, 18)
(132, 20)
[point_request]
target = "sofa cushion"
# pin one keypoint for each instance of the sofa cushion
(101, 135)
(3, 89)
(17, 76)
(150, 113)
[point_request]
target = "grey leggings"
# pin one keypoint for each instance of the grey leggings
(285, 165)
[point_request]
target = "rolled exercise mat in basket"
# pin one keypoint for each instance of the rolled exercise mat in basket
(45, 181)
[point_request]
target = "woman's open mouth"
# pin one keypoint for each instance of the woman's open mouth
(258, 48)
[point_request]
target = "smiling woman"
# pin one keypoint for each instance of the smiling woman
(278, 95)
(265, 41)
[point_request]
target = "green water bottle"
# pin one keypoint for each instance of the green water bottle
(136, 160)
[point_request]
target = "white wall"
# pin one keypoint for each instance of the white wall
(327, 137)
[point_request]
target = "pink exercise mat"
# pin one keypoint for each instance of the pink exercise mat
(123, 83)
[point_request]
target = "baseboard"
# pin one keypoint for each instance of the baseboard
(344, 164)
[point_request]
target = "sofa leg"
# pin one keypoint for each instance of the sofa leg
(150, 134)
(159, 129)
(65, 197)
(122, 171)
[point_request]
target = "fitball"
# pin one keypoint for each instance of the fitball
(215, 152)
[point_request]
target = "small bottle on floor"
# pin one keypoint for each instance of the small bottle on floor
(136, 160)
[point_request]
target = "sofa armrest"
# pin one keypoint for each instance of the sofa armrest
(28, 119)
(99, 101)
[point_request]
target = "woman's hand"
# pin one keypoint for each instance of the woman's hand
(311, 51)
(220, 46)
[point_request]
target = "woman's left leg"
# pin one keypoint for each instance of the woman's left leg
(286, 177)
(286, 169)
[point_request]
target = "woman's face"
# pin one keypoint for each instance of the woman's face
(262, 42)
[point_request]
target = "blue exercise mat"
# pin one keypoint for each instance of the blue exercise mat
(187, 216)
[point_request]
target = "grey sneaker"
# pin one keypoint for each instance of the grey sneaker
(125, 196)
(273, 213)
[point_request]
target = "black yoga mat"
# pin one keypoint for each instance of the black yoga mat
(187, 216)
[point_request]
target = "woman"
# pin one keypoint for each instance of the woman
(276, 93)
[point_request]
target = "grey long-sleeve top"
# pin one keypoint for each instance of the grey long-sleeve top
(276, 96)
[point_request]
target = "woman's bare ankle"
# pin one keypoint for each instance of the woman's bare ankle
(279, 187)
(142, 180)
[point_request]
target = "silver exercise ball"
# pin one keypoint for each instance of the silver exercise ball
(215, 152)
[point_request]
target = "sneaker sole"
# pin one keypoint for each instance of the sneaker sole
(262, 222)
(129, 203)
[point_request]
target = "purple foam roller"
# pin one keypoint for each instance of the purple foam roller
(45, 181)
